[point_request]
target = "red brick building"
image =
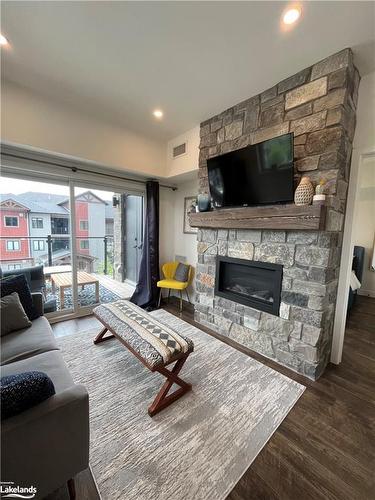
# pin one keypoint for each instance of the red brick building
(14, 226)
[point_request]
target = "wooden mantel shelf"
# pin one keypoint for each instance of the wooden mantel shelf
(266, 217)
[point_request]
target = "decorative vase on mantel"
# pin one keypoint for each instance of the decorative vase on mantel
(204, 202)
(304, 192)
(319, 196)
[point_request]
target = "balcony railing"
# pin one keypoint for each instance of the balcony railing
(60, 232)
(101, 259)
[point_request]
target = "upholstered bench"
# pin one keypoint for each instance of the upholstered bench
(153, 343)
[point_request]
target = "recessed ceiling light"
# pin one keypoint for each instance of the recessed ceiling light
(291, 15)
(3, 40)
(158, 113)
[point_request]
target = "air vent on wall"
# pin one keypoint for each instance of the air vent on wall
(179, 150)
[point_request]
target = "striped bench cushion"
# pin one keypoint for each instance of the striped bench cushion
(155, 342)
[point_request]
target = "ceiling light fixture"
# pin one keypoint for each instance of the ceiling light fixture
(291, 15)
(3, 40)
(158, 113)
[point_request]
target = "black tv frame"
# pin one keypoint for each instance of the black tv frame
(280, 202)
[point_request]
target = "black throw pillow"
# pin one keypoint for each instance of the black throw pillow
(22, 391)
(182, 272)
(19, 284)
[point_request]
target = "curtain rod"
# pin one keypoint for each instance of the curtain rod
(78, 169)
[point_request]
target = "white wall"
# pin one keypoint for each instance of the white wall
(166, 227)
(185, 244)
(173, 241)
(364, 141)
(187, 162)
(364, 223)
(184, 172)
(365, 128)
(33, 120)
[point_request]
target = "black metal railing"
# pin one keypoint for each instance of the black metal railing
(51, 240)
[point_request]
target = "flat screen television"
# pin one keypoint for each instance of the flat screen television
(260, 174)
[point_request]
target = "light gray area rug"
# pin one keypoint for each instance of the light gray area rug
(201, 445)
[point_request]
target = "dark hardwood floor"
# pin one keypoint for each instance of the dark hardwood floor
(325, 447)
(85, 488)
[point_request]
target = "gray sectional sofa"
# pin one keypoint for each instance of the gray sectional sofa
(47, 445)
(36, 281)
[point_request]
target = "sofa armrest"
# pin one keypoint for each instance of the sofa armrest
(75, 395)
(38, 302)
(49, 443)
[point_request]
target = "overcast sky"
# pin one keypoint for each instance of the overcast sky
(16, 186)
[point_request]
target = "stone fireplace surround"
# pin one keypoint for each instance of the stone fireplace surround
(318, 105)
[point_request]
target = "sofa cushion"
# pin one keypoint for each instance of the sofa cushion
(182, 272)
(22, 391)
(13, 316)
(19, 284)
(34, 276)
(28, 342)
(51, 363)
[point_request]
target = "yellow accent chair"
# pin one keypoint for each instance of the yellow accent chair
(169, 271)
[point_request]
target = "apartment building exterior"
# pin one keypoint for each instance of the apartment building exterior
(35, 229)
(90, 224)
(14, 225)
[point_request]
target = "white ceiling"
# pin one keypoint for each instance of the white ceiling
(121, 60)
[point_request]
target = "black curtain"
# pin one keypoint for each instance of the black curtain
(146, 292)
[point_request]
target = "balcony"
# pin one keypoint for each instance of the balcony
(46, 263)
(109, 290)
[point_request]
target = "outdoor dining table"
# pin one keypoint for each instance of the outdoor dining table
(64, 280)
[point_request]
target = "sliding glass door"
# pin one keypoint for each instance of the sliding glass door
(35, 237)
(94, 248)
(108, 245)
(78, 245)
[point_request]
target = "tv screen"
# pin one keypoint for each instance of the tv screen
(256, 175)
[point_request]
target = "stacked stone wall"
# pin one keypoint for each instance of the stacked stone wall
(318, 105)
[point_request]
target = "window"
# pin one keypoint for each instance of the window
(84, 244)
(11, 221)
(84, 225)
(13, 245)
(37, 223)
(12, 267)
(38, 245)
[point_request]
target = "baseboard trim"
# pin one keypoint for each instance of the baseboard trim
(366, 293)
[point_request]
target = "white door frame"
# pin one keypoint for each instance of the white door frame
(347, 254)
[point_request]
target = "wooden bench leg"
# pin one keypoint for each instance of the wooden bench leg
(162, 400)
(100, 337)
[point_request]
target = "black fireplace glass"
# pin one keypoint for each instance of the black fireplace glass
(255, 284)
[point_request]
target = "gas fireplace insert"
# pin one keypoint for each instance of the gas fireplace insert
(251, 283)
